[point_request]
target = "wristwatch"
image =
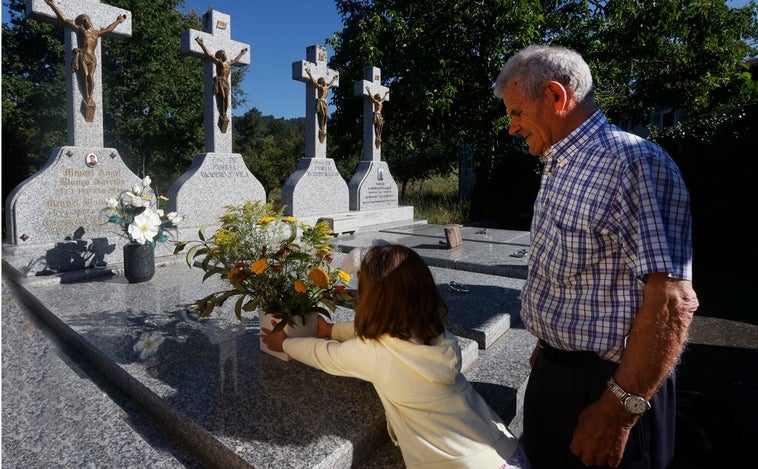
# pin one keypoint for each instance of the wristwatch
(633, 403)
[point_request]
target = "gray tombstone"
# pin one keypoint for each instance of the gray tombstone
(219, 177)
(53, 217)
(372, 186)
(316, 187)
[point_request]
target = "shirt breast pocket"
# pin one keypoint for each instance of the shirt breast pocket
(577, 248)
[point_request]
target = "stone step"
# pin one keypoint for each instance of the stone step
(207, 382)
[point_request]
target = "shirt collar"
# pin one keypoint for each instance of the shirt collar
(557, 154)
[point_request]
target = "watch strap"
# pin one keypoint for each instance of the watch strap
(633, 403)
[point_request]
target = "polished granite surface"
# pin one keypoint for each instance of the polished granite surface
(208, 383)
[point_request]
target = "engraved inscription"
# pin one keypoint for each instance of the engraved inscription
(225, 170)
(322, 168)
(379, 192)
(77, 199)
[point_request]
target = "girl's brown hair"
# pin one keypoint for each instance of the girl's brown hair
(397, 296)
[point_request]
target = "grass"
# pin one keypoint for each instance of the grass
(436, 200)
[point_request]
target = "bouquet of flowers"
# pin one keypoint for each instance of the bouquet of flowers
(138, 214)
(272, 262)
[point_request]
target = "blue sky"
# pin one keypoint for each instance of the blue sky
(278, 32)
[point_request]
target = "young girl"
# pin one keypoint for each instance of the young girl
(399, 343)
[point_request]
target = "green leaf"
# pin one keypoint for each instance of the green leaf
(238, 307)
(279, 327)
(211, 272)
(328, 303)
(179, 246)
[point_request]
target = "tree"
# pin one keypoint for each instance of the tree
(682, 55)
(33, 96)
(440, 58)
(271, 147)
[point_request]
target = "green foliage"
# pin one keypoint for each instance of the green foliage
(33, 95)
(437, 201)
(271, 147)
(155, 120)
(439, 59)
(684, 55)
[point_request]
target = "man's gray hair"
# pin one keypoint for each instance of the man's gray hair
(534, 66)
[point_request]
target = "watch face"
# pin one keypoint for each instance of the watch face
(636, 405)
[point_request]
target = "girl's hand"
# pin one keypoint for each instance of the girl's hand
(324, 329)
(273, 341)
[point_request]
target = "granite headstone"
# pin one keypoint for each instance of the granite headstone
(316, 187)
(53, 217)
(372, 186)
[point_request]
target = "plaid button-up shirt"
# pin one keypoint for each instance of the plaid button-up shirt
(612, 207)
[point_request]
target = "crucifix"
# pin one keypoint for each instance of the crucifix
(213, 44)
(319, 79)
(373, 121)
(83, 53)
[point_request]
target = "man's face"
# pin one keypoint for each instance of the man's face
(530, 119)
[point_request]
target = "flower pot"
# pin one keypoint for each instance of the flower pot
(309, 329)
(139, 262)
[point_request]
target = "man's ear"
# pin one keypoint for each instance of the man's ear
(559, 94)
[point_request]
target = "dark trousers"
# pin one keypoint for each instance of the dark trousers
(561, 385)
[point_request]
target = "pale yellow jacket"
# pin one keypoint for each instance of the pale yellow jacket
(433, 414)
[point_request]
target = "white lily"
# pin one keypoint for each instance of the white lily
(145, 226)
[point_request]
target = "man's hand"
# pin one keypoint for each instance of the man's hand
(602, 432)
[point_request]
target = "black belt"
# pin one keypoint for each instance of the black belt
(573, 357)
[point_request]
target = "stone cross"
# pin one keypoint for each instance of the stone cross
(214, 40)
(373, 121)
(85, 128)
(319, 78)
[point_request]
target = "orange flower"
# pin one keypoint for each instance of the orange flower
(259, 266)
(319, 277)
(300, 287)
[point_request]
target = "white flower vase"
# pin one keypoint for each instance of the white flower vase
(309, 329)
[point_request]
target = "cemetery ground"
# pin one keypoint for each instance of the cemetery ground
(59, 411)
